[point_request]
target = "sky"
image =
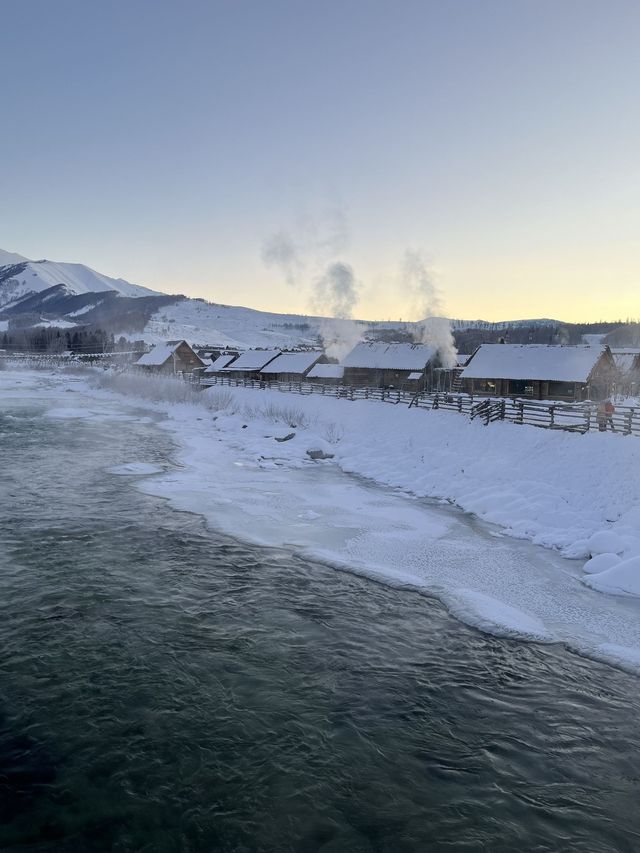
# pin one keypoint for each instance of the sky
(174, 144)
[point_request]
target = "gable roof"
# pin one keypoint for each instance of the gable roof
(627, 359)
(381, 356)
(534, 361)
(253, 359)
(160, 354)
(220, 362)
(292, 362)
(326, 371)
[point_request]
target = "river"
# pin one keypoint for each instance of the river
(164, 687)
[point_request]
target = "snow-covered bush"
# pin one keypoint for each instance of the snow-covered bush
(284, 414)
(167, 389)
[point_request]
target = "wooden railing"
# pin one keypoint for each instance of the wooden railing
(573, 417)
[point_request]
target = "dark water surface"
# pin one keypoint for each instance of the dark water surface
(163, 688)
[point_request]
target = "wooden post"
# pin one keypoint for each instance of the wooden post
(630, 421)
(552, 411)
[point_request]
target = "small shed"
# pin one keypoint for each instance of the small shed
(326, 374)
(249, 364)
(381, 365)
(217, 366)
(291, 366)
(170, 357)
(540, 371)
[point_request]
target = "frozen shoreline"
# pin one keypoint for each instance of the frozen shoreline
(232, 471)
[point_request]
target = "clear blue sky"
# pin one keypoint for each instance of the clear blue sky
(164, 142)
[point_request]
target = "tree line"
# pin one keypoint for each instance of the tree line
(57, 341)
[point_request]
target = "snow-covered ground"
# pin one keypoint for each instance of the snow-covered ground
(201, 322)
(381, 503)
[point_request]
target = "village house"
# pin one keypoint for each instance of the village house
(170, 357)
(291, 366)
(627, 360)
(249, 364)
(540, 371)
(383, 365)
(326, 374)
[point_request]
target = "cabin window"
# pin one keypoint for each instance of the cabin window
(485, 386)
(521, 387)
(561, 389)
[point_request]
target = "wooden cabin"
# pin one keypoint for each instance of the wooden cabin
(291, 366)
(326, 374)
(170, 357)
(383, 365)
(540, 372)
(249, 364)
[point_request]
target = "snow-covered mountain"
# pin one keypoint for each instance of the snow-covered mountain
(20, 277)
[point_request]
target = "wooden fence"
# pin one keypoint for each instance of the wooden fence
(573, 417)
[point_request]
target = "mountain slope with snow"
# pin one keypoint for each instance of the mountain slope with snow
(20, 277)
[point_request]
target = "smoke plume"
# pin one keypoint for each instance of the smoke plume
(336, 291)
(280, 252)
(434, 329)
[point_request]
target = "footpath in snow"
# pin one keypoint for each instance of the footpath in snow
(244, 464)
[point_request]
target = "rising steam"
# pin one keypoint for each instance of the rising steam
(434, 329)
(336, 295)
(280, 252)
(336, 291)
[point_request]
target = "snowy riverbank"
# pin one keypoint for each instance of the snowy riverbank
(574, 494)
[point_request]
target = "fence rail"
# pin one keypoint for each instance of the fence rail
(572, 417)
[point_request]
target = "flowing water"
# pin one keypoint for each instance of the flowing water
(164, 688)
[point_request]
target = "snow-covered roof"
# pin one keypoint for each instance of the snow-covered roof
(383, 356)
(326, 371)
(292, 362)
(159, 354)
(533, 361)
(415, 375)
(253, 359)
(462, 359)
(220, 362)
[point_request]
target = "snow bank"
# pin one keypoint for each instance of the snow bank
(576, 493)
(620, 579)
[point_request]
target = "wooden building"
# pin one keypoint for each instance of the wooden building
(291, 366)
(249, 364)
(382, 365)
(326, 374)
(540, 372)
(170, 357)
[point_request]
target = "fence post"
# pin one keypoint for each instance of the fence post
(552, 412)
(436, 401)
(630, 421)
(503, 409)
